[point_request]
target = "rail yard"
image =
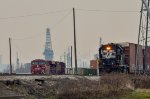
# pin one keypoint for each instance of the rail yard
(98, 55)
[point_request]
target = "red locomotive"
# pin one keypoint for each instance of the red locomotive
(40, 66)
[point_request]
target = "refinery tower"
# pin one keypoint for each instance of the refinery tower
(48, 52)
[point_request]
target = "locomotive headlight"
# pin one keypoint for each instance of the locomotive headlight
(108, 47)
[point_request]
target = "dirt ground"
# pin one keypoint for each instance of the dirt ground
(43, 87)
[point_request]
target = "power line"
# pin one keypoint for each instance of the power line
(64, 17)
(114, 11)
(37, 35)
(30, 15)
(89, 10)
(59, 11)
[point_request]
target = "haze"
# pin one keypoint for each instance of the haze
(90, 25)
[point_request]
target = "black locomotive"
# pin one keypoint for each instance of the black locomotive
(112, 58)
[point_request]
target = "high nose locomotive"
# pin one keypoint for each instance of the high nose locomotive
(112, 58)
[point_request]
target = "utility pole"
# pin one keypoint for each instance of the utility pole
(97, 61)
(75, 50)
(10, 55)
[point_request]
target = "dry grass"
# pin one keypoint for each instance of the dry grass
(142, 82)
(112, 85)
(109, 86)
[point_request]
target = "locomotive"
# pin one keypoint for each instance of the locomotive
(41, 66)
(112, 58)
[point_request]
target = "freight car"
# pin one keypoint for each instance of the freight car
(40, 66)
(112, 58)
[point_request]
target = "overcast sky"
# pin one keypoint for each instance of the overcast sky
(36, 16)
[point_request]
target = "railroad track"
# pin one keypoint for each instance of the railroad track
(25, 75)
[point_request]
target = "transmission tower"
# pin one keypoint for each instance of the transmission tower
(143, 36)
(48, 52)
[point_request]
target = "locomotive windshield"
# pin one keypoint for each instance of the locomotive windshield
(34, 63)
(38, 63)
(108, 54)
